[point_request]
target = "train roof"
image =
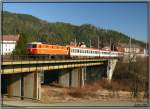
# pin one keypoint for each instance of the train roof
(85, 48)
(35, 43)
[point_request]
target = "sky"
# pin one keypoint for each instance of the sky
(128, 18)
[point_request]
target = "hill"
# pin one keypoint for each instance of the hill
(34, 29)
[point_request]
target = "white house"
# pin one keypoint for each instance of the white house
(8, 43)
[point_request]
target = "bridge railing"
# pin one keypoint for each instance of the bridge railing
(11, 58)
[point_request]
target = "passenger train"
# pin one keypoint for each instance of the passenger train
(38, 48)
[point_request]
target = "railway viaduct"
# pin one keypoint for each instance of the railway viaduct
(23, 78)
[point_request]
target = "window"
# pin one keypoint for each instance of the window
(32, 46)
(39, 46)
(86, 51)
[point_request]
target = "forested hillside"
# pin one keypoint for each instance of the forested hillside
(31, 28)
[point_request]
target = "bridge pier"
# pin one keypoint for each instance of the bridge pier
(78, 77)
(64, 78)
(24, 86)
(110, 68)
(14, 86)
(32, 85)
(72, 77)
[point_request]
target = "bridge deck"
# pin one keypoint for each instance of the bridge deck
(49, 61)
(31, 66)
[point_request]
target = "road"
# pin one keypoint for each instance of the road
(87, 103)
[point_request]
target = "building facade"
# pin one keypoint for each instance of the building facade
(8, 44)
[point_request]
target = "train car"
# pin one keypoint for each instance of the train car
(83, 52)
(91, 52)
(38, 48)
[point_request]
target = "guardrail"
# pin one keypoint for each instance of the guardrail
(21, 66)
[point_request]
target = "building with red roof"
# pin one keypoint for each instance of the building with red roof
(8, 43)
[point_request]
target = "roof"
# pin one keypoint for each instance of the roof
(10, 37)
(35, 43)
(86, 48)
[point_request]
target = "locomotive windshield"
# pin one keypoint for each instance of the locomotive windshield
(31, 45)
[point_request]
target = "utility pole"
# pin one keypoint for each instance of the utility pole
(75, 41)
(98, 42)
(146, 48)
(130, 45)
(90, 43)
(130, 48)
(110, 43)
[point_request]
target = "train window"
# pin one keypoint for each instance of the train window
(33, 45)
(39, 46)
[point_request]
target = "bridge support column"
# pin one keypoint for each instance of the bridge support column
(73, 77)
(14, 86)
(64, 78)
(110, 68)
(78, 77)
(32, 85)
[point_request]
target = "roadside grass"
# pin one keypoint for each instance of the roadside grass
(102, 89)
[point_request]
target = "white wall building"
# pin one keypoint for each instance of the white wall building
(8, 43)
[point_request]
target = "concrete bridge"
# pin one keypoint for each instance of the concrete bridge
(23, 78)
